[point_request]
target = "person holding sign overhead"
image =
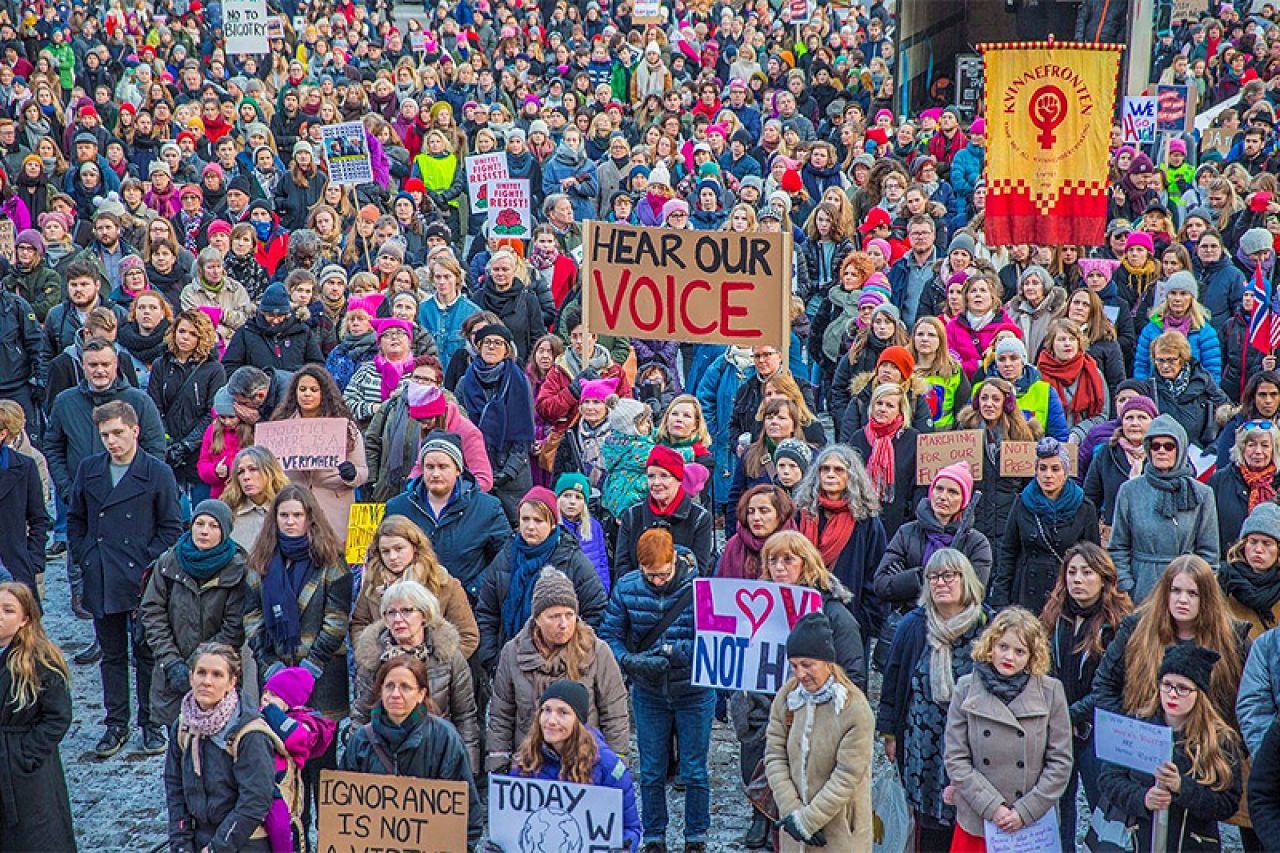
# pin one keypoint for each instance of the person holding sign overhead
(819, 743)
(560, 745)
(405, 737)
(1008, 752)
(1202, 783)
(1050, 516)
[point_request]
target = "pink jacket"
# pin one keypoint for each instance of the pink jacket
(305, 734)
(969, 345)
(474, 456)
(208, 460)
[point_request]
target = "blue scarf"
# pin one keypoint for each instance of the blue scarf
(1056, 511)
(280, 590)
(526, 564)
(203, 565)
(498, 400)
(395, 735)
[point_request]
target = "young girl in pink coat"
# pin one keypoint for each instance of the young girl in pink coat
(305, 735)
(221, 442)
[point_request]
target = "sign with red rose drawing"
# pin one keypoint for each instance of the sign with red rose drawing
(510, 216)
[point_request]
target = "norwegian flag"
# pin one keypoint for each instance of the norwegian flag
(1264, 326)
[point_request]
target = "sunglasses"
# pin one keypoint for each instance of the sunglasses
(1267, 425)
(1164, 445)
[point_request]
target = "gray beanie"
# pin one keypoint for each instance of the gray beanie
(1264, 520)
(448, 443)
(625, 413)
(798, 452)
(1040, 273)
(553, 589)
(1013, 345)
(1255, 240)
(962, 242)
(1185, 282)
(224, 405)
(886, 308)
(221, 513)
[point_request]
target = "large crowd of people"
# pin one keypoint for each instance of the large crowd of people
(183, 267)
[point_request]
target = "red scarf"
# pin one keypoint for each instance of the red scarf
(1088, 399)
(881, 464)
(663, 512)
(834, 535)
(1261, 484)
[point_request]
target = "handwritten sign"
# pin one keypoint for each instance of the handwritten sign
(1216, 139)
(647, 12)
(937, 450)
(1131, 743)
(482, 169)
(546, 814)
(1173, 111)
(362, 523)
(8, 239)
(1139, 118)
(1018, 459)
(367, 812)
(305, 444)
(711, 287)
(1188, 10)
(346, 151)
(244, 26)
(275, 27)
(1040, 837)
(741, 631)
(510, 209)
(799, 11)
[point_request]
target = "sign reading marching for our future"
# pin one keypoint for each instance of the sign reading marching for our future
(542, 815)
(346, 152)
(741, 630)
(372, 813)
(244, 26)
(712, 287)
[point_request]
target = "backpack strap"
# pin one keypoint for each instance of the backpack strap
(376, 743)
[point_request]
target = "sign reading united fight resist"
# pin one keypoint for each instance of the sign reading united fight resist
(711, 287)
(1048, 108)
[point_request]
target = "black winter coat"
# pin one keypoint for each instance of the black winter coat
(857, 414)
(116, 532)
(183, 392)
(1108, 471)
(900, 575)
(1232, 497)
(1195, 408)
(294, 201)
(690, 526)
(1264, 790)
(23, 359)
(568, 558)
(1101, 21)
(519, 310)
(24, 522)
(71, 437)
(837, 604)
(35, 812)
(1031, 554)
(993, 498)
(433, 750)
(179, 613)
(224, 805)
(901, 508)
(1239, 360)
(285, 347)
(1076, 669)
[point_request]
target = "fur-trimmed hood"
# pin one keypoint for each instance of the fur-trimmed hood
(915, 386)
(442, 642)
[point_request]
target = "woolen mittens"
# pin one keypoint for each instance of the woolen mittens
(178, 676)
(347, 471)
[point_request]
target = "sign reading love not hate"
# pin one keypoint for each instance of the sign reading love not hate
(711, 287)
(305, 444)
(741, 631)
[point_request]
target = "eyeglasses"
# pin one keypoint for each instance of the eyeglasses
(1172, 359)
(761, 356)
(944, 578)
(1168, 446)
(402, 613)
(493, 343)
(1175, 691)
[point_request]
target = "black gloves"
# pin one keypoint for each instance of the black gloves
(791, 825)
(647, 668)
(178, 676)
(347, 471)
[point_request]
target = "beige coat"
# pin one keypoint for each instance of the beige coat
(334, 494)
(820, 768)
(232, 299)
(520, 679)
(248, 523)
(1017, 754)
(453, 606)
(450, 678)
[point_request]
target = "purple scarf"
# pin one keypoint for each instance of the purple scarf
(391, 372)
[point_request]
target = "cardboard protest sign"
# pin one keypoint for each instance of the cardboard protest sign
(8, 239)
(1018, 459)
(482, 169)
(244, 26)
(937, 450)
(275, 27)
(510, 209)
(1131, 743)
(1040, 837)
(346, 151)
(1173, 109)
(546, 814)
(1188, 10)
(1139, 118)
(741, 631)
(362, 523)
(1217, 139)
(647, 12)
(711, 287)
(418, 42)
(305, 444)
(371, 813)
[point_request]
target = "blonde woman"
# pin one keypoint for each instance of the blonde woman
(948, 388)
(400, 551)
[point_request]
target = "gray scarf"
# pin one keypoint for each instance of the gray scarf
(942, 636)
